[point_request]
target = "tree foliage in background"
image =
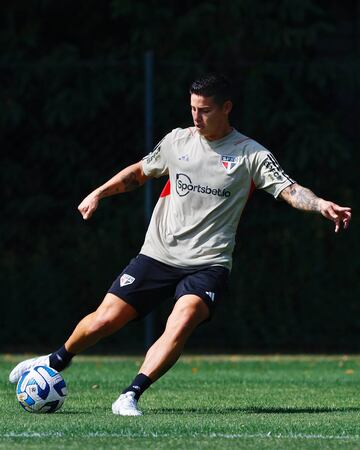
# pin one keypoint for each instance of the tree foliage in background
(71, 115)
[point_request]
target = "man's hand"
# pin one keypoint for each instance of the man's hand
(338, 214)
(302, 198)
(126, 180)
(89, 205)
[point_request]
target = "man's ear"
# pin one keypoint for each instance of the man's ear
(227, 106)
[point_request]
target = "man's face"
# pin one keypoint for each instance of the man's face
(210, 119)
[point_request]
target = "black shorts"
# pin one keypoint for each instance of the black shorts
(145, 283)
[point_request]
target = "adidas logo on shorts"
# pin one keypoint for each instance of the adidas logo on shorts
(126, 279)
(211, 295)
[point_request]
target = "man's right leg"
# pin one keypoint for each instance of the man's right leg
(112, 314)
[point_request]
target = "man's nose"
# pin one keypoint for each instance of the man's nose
(197, 116)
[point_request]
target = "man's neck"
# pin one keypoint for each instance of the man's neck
(221, 134)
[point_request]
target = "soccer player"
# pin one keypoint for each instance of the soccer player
(187, 252)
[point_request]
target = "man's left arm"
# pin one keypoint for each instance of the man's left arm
(304, 199)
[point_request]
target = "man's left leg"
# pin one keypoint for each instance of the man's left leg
(189, 311)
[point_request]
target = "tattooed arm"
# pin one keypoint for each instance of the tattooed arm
(126, 180)
(304, 199)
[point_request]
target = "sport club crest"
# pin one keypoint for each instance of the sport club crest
(229, 162)
(126, 279)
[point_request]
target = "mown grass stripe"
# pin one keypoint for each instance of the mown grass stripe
(183, 435)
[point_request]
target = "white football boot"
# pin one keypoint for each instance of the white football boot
(126, 405)
(23, 366)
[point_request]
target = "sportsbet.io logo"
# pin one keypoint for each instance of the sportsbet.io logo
(184, 185)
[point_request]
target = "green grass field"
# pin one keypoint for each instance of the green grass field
(222, 402)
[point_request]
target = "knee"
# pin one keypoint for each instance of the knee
(187, 317)
(99, 325)
(188, 314)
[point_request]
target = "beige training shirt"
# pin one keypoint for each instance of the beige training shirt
(195, 219)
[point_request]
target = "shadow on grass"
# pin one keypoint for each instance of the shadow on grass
(256, 410)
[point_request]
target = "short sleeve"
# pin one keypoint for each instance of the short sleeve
(267, 173)
(155, 164)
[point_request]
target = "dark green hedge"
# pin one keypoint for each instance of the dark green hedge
(71, 115)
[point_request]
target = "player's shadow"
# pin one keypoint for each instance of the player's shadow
(256, 410)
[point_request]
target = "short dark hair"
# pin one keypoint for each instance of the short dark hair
(212, 85)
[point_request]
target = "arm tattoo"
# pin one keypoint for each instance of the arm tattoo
(125, 181)
(301, 198)
(130, 182)
(109, 191)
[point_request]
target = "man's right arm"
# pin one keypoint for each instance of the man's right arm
(126, 180)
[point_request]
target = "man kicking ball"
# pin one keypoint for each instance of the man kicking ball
(187, 252)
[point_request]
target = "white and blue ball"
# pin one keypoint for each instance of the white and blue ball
(41, 390)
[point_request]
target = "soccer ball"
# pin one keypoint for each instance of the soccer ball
(41, 390)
